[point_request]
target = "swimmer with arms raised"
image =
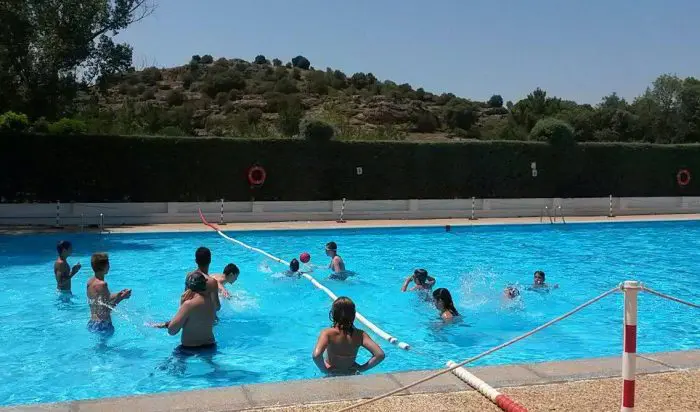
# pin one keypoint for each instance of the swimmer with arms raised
(101, 300)
(195, 318)
(342, 341)
(422, 281)
(61, 269)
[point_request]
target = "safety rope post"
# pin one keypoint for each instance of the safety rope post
(629, 354)
(473, 207)
(58, 213)
(611, 210)
(342, 212)
(102, 222)
(501, 400)
(221, 216)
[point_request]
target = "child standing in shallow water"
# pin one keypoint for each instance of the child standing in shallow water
(444, 303)
(342, 341)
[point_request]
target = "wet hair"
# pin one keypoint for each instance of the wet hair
(342, 314)
(63, 245)
(294, 265)
(540, 273)
(99, 261)
(420, 275)
(445, 297)
(331, 246)
(202, 256)
(231, 269)
(196, 281)
(512, 291)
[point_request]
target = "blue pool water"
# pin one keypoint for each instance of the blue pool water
(267, 331)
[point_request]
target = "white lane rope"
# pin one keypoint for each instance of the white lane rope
(371, 326)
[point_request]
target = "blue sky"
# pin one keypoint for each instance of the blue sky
(580, 50)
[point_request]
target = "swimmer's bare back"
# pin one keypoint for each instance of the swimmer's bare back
(63, 273)
(102, 301)
(195, 318)
(341, 351)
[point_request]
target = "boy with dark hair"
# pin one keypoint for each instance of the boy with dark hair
(100, 299)
(61, 270)
(421, 279)
(202, 256)
(337, 264)
(230, 275)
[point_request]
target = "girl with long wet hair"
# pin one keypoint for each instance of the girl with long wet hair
(342, 341)
(444, 303)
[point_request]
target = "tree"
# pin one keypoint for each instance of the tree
(207, 59)
(460, 115)
(260, 59)
(554, 131)
(277, 62)
(316, 130)
(496, 101)
(301, 62)
(48, 49)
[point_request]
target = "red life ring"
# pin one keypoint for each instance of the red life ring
(256, 176)
(683, 177)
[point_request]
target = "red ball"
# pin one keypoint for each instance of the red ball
(305, 257)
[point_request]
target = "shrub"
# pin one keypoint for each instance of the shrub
(288, 65)
(151, 75)
(207, 59)
(426, 122)
(460, 115)
(496, 110)
(556, 132)
(316, 130)
(196, 59)
(260, 59)
(254, 115)
(316, 83)
(223, 82)
(301, 62)
(420, 93)
(148, 94)
(290, 114)
(187, 80)
(68, 127)
(15, 122)
(172, 131)
(175, 97)
(234, 95)
(286, 86)
(41, 126)
(221, 98)
(277, 62)
(495, 101)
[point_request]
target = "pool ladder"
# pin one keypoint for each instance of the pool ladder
(552, 217)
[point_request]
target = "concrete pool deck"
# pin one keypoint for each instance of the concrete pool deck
(354, 224)
(669, 380)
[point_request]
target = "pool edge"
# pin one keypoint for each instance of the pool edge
(315, 391)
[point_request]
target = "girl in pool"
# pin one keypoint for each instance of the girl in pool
(443, 303)
(342, 341)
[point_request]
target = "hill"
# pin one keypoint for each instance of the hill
(237, 98)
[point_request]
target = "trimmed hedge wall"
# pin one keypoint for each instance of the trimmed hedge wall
(46, 168)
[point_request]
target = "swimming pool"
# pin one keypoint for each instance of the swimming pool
(267, 331)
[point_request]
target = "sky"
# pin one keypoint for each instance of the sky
(577, 50)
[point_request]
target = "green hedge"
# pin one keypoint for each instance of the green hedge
(47, 168)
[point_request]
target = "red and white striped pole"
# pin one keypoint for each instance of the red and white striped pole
(629, 354)
(501, 400)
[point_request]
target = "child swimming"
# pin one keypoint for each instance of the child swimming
(293, 269)
(421, 279)
(511, 292)
(342, 341)
(538, 282)
(337, 264)
(230, 275)
(443, 303)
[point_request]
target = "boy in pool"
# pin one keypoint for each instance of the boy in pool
(293, 269)
(230, 275)
(100, 299)
(342, 341)
(61, 269)
(538, 282)
(422, 281)
(337, 264)
(511, 292)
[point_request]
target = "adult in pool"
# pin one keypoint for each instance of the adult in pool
(100, 299)
(443, 303)
(203, 259)
(342, 341)
(62, 270)
(195, 318)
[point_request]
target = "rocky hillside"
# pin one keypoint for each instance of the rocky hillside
(237, 98)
